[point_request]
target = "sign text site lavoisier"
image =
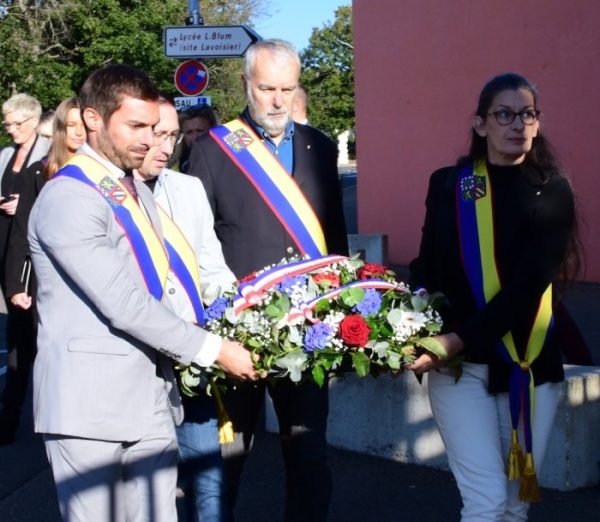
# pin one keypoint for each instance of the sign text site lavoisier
(208, 41)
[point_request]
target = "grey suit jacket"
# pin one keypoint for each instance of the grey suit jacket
(101, 334)
(184, 199)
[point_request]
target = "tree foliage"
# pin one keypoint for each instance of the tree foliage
(49, 47)
(328, 74)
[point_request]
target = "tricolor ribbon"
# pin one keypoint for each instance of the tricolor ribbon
(252, 292)
(305, 309)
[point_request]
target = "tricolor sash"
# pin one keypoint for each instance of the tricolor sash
(477, 239)
(275, 185)
(154, 258)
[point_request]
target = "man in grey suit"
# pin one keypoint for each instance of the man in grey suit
(184, 200)
(104, 394)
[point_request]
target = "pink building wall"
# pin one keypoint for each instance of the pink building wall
(419, 68)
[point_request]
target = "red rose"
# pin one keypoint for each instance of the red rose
(354, 330)
(327, 280)
(371, 271)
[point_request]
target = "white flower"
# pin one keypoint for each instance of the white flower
(416, 320)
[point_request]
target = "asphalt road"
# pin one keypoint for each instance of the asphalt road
(365, 488)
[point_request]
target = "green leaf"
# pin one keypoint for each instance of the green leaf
(361, 363)
(434, 346)
(418, 303)
(394, 361)
(253, 343)
(318, 375)
(352, 296)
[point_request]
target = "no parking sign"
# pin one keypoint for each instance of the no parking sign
(191, 78)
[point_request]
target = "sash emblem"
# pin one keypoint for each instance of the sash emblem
(114, 194)
(472, 188)
(238, 140)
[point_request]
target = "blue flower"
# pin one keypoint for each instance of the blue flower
(371, 303)
(216, 310)
(317, 336)
(289, 284)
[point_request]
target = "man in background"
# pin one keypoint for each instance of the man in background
(231, 160)
(301, 105)
(183, 199)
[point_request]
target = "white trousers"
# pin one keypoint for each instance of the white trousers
(101, 481)
(476, 430)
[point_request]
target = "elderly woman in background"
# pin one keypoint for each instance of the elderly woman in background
(21, 117)
(500, 227)
(193, 122)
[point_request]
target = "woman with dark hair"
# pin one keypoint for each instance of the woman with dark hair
(500, 227)
(193, 122)
(68, 135)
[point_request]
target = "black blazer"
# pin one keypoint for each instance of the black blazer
(30, 183)
(251, 235)
(533, 223)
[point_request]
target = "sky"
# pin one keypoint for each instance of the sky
(293, 20)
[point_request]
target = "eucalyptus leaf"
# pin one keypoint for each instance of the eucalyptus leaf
(274, 312)
(230, 316)
(418, 303)
(352, 296)
(394, 316)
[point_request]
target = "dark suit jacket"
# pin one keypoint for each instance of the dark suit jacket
(251, 235)
(31, 182)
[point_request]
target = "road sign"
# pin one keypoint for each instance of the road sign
(191, 78)
(208, 41)
(182, 103)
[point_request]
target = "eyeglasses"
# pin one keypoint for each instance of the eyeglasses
(162, 137)
(16, 124)
(506, 117)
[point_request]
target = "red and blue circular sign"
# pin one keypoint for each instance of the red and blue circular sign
(191, 78)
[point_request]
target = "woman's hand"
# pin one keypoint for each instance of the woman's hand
(451, 343)
(10, 207)
(22, 301)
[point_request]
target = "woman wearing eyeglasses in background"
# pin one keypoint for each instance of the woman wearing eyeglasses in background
(21, 115)
(500, 227)
(68, 135)
(193, 122)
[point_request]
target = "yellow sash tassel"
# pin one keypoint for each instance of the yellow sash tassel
(226, 435)
(515, 458)
(530, 488)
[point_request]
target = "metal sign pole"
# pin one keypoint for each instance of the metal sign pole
(194, 18)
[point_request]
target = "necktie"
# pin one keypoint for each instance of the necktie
(127, 182)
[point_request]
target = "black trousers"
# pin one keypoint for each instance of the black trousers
(21, 334)
(302, 414)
